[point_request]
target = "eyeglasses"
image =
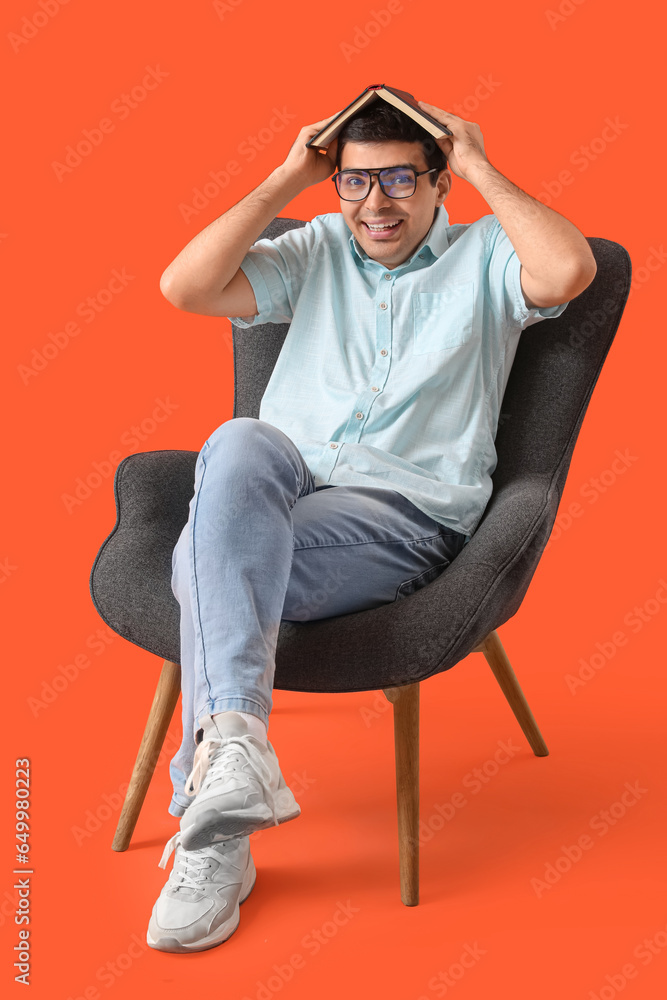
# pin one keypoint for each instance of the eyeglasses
(395, 182)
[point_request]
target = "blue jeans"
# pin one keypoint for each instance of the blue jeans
(262, 544)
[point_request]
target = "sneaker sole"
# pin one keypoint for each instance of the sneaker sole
(211, 825)
(222, 934)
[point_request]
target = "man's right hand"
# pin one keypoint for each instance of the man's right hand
(206, 276)
(307, 164)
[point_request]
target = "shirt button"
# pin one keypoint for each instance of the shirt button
(359, 416)
(375, 388)
(388, 277)
(421, 256)
(383, 305)
(383, 352)
(333, 445)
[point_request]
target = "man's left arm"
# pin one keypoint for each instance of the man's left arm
(557, 263)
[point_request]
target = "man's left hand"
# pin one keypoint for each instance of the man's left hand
(464, 149)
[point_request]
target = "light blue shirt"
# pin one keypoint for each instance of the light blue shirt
(394, 378)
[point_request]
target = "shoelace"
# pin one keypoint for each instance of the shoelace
(213, 755)
(189, 865)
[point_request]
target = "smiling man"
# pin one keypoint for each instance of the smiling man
(369, 468)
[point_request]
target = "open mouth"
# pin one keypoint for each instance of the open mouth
(382, 231)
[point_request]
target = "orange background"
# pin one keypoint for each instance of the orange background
(557, 78)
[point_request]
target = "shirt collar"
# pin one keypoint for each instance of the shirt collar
(436, 240)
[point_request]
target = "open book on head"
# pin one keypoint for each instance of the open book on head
(399, 98)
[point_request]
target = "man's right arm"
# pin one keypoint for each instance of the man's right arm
(206, 277)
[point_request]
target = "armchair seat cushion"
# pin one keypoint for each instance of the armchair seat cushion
(398, 643)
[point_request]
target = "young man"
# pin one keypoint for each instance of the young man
(370, 464)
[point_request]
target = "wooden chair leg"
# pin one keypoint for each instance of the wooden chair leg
(497, 659)
(159, 717)
(406, 748)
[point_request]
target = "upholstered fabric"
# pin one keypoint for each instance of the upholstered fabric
(555, 370)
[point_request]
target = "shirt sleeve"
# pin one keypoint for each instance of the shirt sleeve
(504, 283)
(277, 269)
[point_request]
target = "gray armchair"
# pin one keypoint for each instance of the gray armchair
(397, 646)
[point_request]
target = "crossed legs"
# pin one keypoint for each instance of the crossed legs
(262, 544)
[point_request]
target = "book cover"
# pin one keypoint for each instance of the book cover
(400, 99)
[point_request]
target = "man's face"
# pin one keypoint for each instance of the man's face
(414, 215)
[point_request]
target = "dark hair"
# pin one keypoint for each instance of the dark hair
(380, 122)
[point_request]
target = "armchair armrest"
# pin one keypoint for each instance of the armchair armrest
(130, 578)
(486, 583)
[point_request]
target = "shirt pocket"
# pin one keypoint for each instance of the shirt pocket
(443, 320)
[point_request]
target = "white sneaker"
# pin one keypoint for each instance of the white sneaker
(237, 785)
(198, 907)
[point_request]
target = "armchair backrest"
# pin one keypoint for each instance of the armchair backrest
(256, 350)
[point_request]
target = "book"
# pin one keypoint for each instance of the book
(380, 91)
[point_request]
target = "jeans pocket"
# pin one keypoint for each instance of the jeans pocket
(417, 582)
(455, 541)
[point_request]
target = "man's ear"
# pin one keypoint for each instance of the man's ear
(444, 184)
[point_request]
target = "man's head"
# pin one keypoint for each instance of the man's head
(382, 136)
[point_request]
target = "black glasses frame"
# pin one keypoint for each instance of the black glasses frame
(376, 173)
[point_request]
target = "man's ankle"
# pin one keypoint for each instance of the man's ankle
(256, 726)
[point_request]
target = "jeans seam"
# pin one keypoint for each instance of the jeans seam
(368, 541)
(238, 697)
(194, 573)
(228, 697)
